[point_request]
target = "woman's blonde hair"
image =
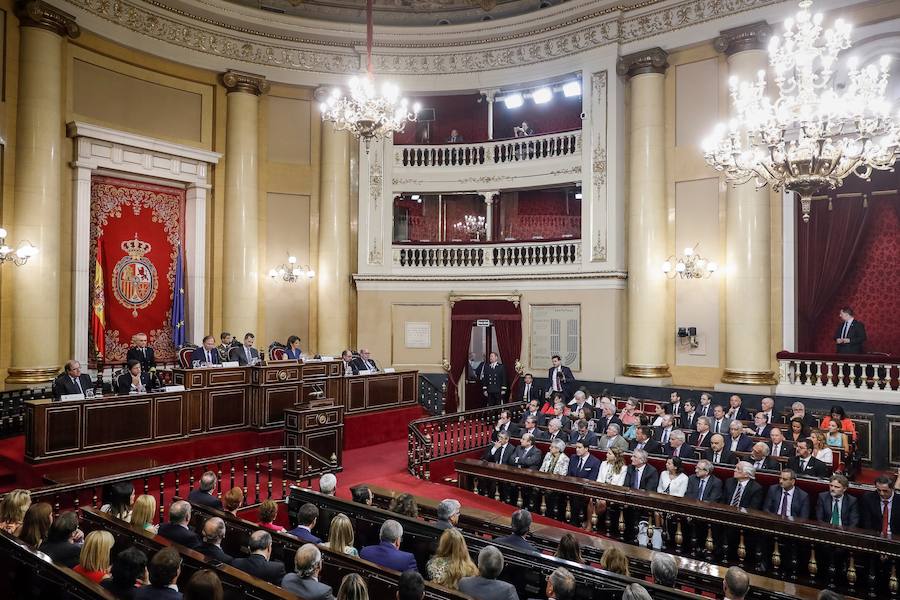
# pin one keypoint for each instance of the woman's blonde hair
(340, 533)
(818, 438)
(268, 511)
(14, 506)
(615, 561)
(618, 463)
(144, 510)
(95, 552)
(452, 547)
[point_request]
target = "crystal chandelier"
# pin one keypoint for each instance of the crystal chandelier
(472, 225)
(19, 256)
(813, 136)
(291, 272)
(690, 266)
(364, 112)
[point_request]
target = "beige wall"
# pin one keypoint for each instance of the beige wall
(9, 73)
(286, 305)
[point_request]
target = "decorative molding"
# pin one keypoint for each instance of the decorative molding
(740, 39)
(248, 83)
(37, 13)
(653, 60)
(599, 191)
(376, 192)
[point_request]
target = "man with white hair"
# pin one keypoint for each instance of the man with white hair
(448, 514)
(768, 409)
(664, 569)
(305, 582)
(213, 535)
(328, 484)
(798, 411)
(676, 446)
(485, 585)
(702, 436)
(742, 490)
(759, 458)
(578, 401)
(388, 553)
(612, 439)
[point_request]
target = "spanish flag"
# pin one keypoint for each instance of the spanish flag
(98, 320)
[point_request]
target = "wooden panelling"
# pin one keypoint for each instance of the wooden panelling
(114, 423)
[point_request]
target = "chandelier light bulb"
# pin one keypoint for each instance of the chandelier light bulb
(292, 260)
(513, 101)
(2, 233)
(712, 267)
(273, 273)
(310, 274)
(417, 107)
(679, 268)
(572, 88)
(667, 267)
(542, 95)
(4, 250)
(688, 251)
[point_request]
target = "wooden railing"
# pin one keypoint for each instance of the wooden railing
(537, 147)
(841, 374)
(498, 255)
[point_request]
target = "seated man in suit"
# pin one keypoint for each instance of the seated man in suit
(364, 362)
(505, 424)
(529, 391)
(205, 494)
(702, 436)
(665, 429)
(349, 364)
(804, 464)
(226, 343)
(259, 563)
(530, 427)
(246, 354)
(688, 415)
(554, 431)
(703, 485)
(448, 512)
(743, 490)
(387, 553)
(768, 409)
(737, 440)
(142, 353)
(411, 586)
(607, 417)
(876, 508)
(720, 423)
(306, 520)
(640, 475)
(176, 530)
(761, 427)
(164, 570)
(305, 582)
(612, 439)
(583, 464)
(786, 499)
(206, 355)
(72, 381)
(533, 409)
(798, 411)
(736, 412)
(643, 440)
(678, 447)
(759, 458)
(133, 380)
(675, 405)
(718, 453)
(581, 433)
(213, 534)
(836, 506)
(485, 585)
(520, 522)
(778, 446)
(64, 540)
(293, 351)
(559, 412)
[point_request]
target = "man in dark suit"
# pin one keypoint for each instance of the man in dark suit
(529, 390)
(703, 485)
(759, 458)
(205, 494)
(176, 530)
(259, 563)
(207, 353)
(554, 431)
(133, 380)
(876, 508)
(778, 446)
(227, 342)
(836, 506)
(742, 490)
(527, 456)
(702, 436)
(719, 423)
(767, 407)
(850, 335)
(62, 543)
(142, 353)
(561, 378)
(667, 426)
(485, 585)
(608, 417)
(761, 427)
(521, 524)
(705, 408)
(675, 405)
(387, 553)
(530, 427)
(640, 475)
(560, 585)
(306, 520)
(736, 412)
(72, 381)
(505, 424)
(455, 137)
(501, 452)
(717, 452)
(533, 409)
(643, 440)
(581, 433)
(448, 512)
(213, 534)
(493, 381)
(805, 464)
(688, 415)
(164, 570)
(785, 499)
(305, 581)
(349, 365)
(737, 440)
(583, 464)
(364, 361)
(798, 411)
(246, 354)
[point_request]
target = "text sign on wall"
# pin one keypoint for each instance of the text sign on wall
(483, 323)
(556, 329)
(418, 334)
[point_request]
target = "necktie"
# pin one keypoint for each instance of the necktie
(144, 352)
(636, 480)
(640, 446)
(702, 489)
(835, 512)
(885, 516)
(77, 383)
(716, 457)
(784, 504)
(717, 427)
(776, 450)
(802, 466)
(581, 464)
(665, 439)
(759, 464)
(768, 417)
(502, 448)
(675, 452)
(736, 499)
(527, 391)
(846, 329)
(208, 358)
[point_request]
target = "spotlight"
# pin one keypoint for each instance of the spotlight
(414, 197)
(578, 195)
(513, 101)
(542, 95)
(573, 88)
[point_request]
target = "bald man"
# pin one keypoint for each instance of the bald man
(213, 534)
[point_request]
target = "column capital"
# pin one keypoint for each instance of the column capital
(248, 83)
(652, 60)
(37, 13)
(754, 36)
(490, 94)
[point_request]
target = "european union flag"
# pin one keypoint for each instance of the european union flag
(178, 302)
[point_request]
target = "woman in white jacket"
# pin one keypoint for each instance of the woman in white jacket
(673, 480)
(613, 469)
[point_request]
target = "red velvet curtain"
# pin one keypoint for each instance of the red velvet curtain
(460, 340)
(826, 247)
(509, 340)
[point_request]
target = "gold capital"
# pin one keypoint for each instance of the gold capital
(248, 83)
(653, 60)
(740, 39)
(37, 13)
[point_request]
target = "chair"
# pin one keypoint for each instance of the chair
(277, 353)
(184, 356)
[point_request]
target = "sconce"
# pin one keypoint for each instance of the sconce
(689, 266)
(290, 272)
(18, 257)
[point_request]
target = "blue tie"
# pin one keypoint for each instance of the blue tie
(636, 480)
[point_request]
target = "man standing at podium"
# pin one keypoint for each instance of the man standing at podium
(850, 334)
(494, 381)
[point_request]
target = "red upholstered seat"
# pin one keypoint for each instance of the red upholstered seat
(277, 353)
(184, 356)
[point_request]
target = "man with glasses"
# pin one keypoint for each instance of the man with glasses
(72, 381)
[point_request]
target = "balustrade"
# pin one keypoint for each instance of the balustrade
(517, 150)
(837, 373)
(566, 253)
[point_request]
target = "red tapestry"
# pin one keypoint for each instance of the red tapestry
(139, 227)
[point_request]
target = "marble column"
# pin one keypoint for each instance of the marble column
(334, 276)
(240, 265)
(647, 226)
(37, 207)
(748, 289)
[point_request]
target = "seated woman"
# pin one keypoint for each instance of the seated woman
(587, 413)
(12, 510)
(292, 351)
(660, 412)
(404, 504)
(613, 469)
(120, 500)
(673, 480)
(36, 524)
(821, 449)
(629, 415)
(340, 535)
(835, 438)
(631, 433)
(556, 461)
(451, 562)
(143, 513)
(547, 408)
(94, 561)
(846, 425)
(232, 500)
(799, 430)
(569, 549)
(615, 561)
(268, 512)
(133, 381)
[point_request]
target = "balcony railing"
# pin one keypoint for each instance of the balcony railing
(566, 253)
(837, 375)
(518, 150)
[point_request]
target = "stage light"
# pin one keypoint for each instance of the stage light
(513, 101)
(542, 95)
(578, 195)
(573, 88)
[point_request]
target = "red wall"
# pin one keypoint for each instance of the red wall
(464, 113)
(560, 114)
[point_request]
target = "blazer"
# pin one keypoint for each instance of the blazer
(744, 443)
(64, 385)
(689, 421)
(857, 336)
(179, 534)
(569, 383)
(619, 442)
(539, 418)
(677, 486)
(291, 354)
(67, 554)
(703, 443)
(604, 422)
(649, 478)
(214, 552)
(304, 535)
(787, 448)
(487, 589)
(725, 456)
(257, 565)
(239, 353)
(590, 470)
(768, 464)
(145, 356)
(516, 541)
(814, 467)
(511, 428)
(562, 464)
(799, 502)
(712, 491)
(122, 592)
(360, 365)
(849, 509)
(723, 427)
(307, 587)
(704, 411)
(765, 431)
(123, 384)
(199, 354)
(527, 458)
(590, 438)
(685, 451)
(204, 499)
(501, 456)
(605, 474)
(870, 516)
(752, 497)
(152, 592)
(493, 378)
(534, 393)
(442, 524)
(387, 555)
(651, 446)
(742, 414)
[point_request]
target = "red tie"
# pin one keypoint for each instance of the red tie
(885, 517)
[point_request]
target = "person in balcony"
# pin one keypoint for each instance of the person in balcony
(454, 137)
(523, 130)
(850, 334)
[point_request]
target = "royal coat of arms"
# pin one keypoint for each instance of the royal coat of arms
(134, 279)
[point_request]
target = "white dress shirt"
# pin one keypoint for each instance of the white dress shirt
(677, 486)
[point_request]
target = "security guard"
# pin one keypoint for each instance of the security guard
(493, 381)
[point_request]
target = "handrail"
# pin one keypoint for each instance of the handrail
(494, 152)
(830, 373)
(490, 255)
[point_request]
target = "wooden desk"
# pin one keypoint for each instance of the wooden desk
(378, 391)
